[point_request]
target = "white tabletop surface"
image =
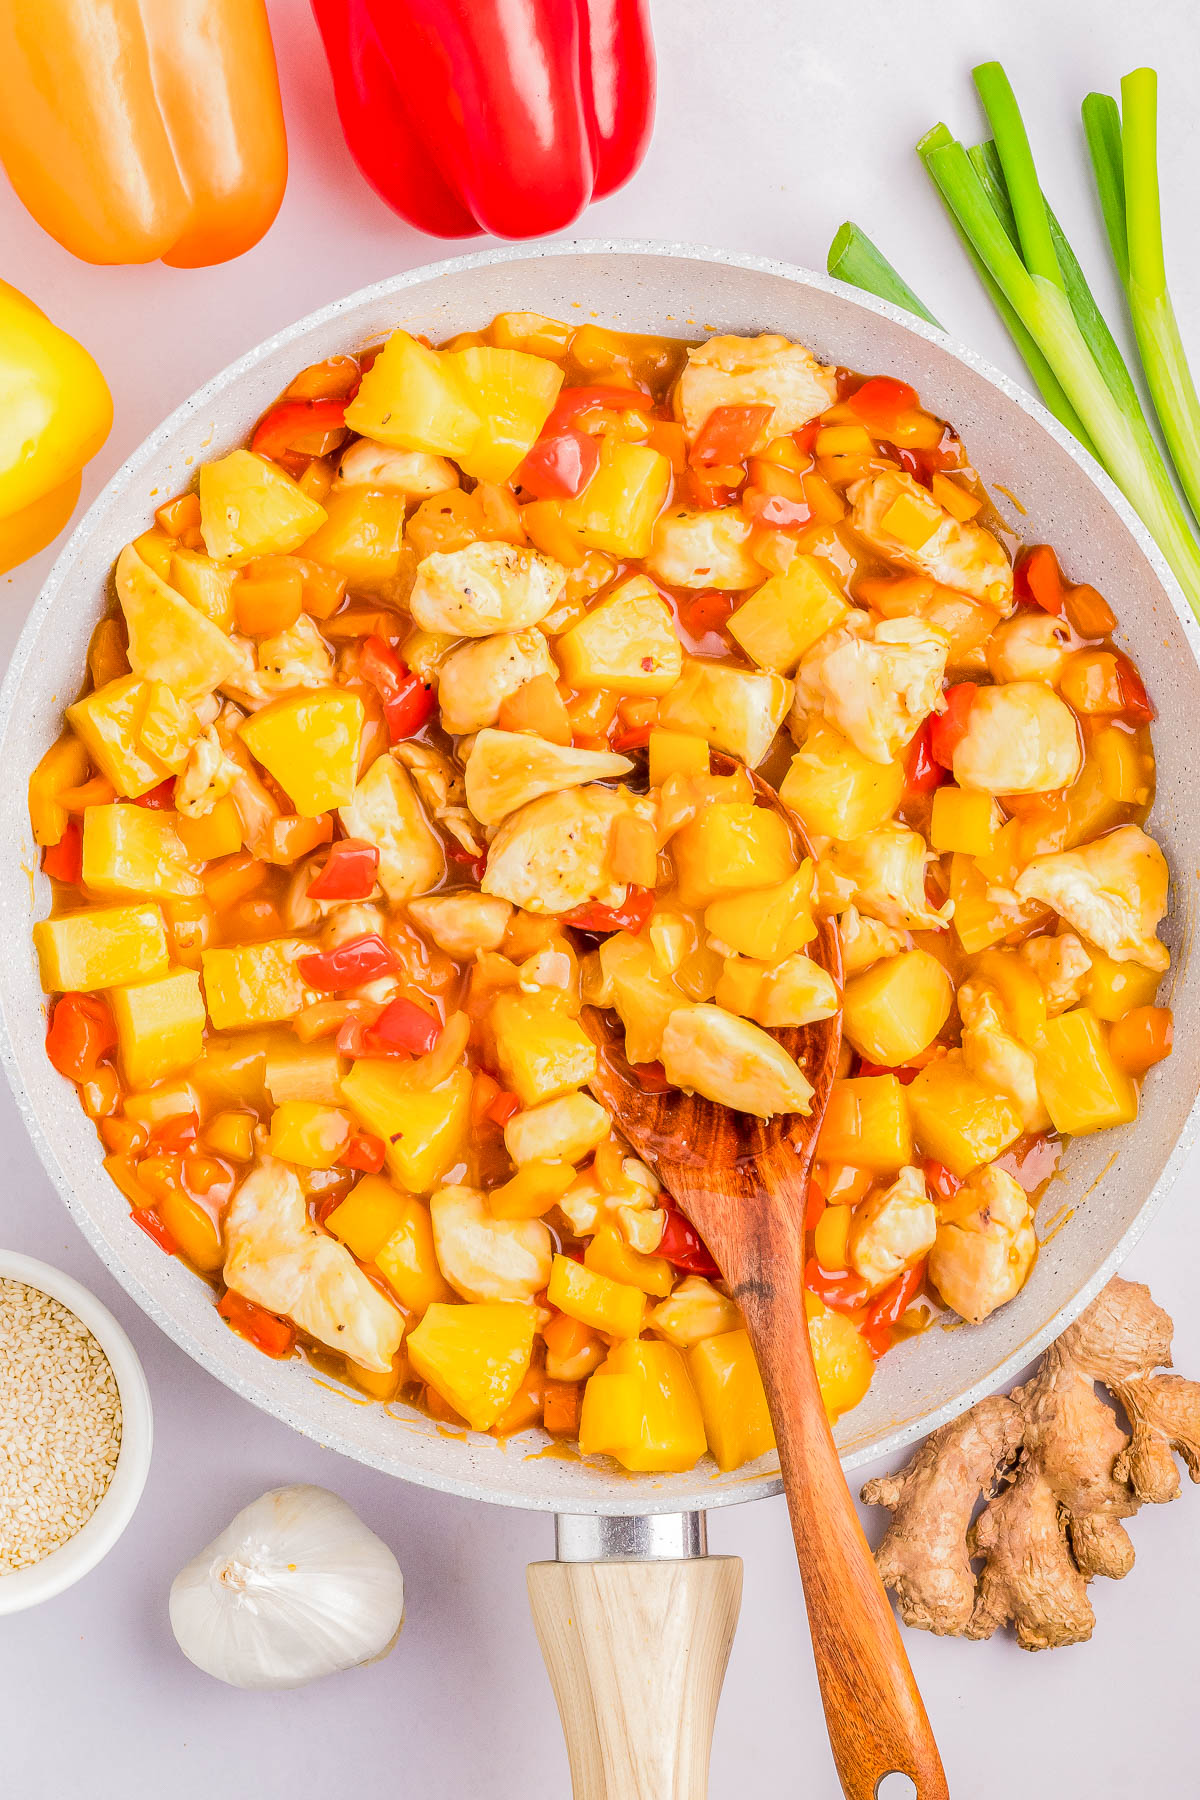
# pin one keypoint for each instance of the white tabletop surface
(776, 121)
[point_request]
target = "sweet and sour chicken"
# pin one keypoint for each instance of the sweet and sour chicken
(396, 753)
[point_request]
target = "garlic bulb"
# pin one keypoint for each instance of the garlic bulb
(295, 1587)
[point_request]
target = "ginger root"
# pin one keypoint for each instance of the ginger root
(1058, 1474)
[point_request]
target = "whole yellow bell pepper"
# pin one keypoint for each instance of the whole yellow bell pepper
(140, 129)
(55, 412)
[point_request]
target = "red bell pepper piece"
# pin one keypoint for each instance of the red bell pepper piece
(939, 1180)
(708, 612)
(885, 1313)
(1038, 578)
(631, 915)
(177, 1132)
(903, 1075)
(1136, 703)
(81, 1035)
(682, 1246)
(408, 702)
(636, 737)
(160, 798)
(349, 966)
(814, 1204)
(921, 773)
(502, 1108)
(349, 872)
(879, 402)
(947, 730)
(474, 865)
(154, 1229)
(728, 436)
(573, 402)
(836, 1287)
(301, 428)
(266, 1330)
(64, 861)
(559, 467)
(403, 1026)
(365, 1151)
(651, 1077)
(474, 115)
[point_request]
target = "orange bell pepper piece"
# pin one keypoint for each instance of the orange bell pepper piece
(142, 129)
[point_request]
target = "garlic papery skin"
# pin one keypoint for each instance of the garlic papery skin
(295, 1587)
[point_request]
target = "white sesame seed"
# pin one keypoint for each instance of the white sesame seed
(60, 1425)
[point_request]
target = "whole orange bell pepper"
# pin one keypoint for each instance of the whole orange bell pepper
(143, 129)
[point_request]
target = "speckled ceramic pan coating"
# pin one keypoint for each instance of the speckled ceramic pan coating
(1113, 1183)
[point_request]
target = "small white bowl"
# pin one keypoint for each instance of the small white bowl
(72, 1560)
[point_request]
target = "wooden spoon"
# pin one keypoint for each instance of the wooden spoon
(743, 1183)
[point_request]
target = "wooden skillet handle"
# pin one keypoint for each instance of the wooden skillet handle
(636, 1653)
(873, 1710)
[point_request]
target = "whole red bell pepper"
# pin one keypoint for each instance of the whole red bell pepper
(480, 115)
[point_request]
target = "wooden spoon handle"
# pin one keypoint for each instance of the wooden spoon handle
(873, 1710)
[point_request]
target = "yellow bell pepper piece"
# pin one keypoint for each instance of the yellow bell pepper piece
(475, 1355)
(231, 1134)
(532, 1191)
(831, 1237)
(160, 1026)
(1081, 1085)
(596, 1300)
(195, 1231)
(676, 753)
(310, 743)
(424, 1129)
(55, 407)
(217, 833)
(134, 131)
(100, 947)
(607, 1253)
(307, 1133)
(733, 1404)
(640, 1407)
(367, 1217)
(408, 1260)
(65, 765)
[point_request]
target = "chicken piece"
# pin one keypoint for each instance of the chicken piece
(507, 769)
(350, 919)
(874, 680)
(554, 966)
(958, 555)
(703, 550)
(582, 1206)
(1061, 964)
(245, 685)
(967, 623)
(553, 855)
(1031, 646)
(413, 473)
(1020, 739)
(485, 1258)
(386, 812)
(437, 780)
(1113, 891)
(206, 777)
(476, 679)
(462, 924)
(296, 658)
(706, 1050)
(866, 941)
(563, 1130)
(980, 1260)
(886, 868)
(892, 1230)
(993, 1056)
(276, 1257)
(485, 588)
(754, 371)
(797, 991)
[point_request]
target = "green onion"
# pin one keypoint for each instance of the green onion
(1102, 127)
(853, 258)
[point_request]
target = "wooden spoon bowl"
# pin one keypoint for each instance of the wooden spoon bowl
(743, 1183)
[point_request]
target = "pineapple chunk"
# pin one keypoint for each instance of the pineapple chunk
(255, 984)
(796, 991)
(843, 1362)
(305, 1132)
(958, 1120)
(205, 584)
(169, 640)
(424, 1128)
(788, 614)
(1081, 1085)
(641, 1408)
(107, 721)
(135, 850)
(707, 1050)
(730, 846)
(475, 1355)
(160, 1026)
(896, 1009)
(309, 742)
(249, 508)
(541, 1051)
(736, 710)
(837, 791)
(596, 1299)
(767, 923)
(563, 1130)
(296, 1071)
(507, 769)
(100, 947)
(733, 1403)
(512, 392)
(626, 644)
(361, 537)
(367, 1217)
(1115, 988)
(867, 1125)
(643, 995)
(617, 509)
(385, 810)
(415, 399)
